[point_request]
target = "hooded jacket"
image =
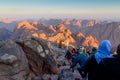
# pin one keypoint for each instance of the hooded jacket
(103, 51)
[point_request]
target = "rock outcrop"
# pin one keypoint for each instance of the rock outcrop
(39, 55)
(13, 62)
(90, 41)
(25, 59)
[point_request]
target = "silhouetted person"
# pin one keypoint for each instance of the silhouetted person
(109, 68)
(68, 55)
(93, 61)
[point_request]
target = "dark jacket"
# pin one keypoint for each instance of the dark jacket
(80, 58)
(109, 69)
(68, 55)
(90, 67)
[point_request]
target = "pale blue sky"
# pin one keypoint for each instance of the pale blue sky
(107, 9)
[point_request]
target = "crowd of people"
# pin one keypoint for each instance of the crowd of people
(96, 64)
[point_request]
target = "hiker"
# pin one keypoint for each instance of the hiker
(81, 59)
(93, 61)
(93, 51)
(109, 68)
(73, 54)
(88, 51)
(68, 55)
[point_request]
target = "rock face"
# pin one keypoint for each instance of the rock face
(13, 62)
(66, 74)
(104, 31)
(90, 41)
(26, 59)
(39, 56)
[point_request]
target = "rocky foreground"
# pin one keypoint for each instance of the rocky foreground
(33, 59)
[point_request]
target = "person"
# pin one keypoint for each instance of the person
(73, 54)
(92, 62)
(109, 68)
(68, 55)
(93, 51)
(81, 59)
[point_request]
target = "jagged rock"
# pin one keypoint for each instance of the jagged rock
(26, 59)
(91, 23)
(25, 24)
(63, 67)
(46, 77)
(35, 23)
(8, 59)
(67, 21)
(61, 60)
(13, 63)
(77, 23)
(90, 41)
(39, 56)
(61, 27)
(80, 35)
(66, 74)
(54, 77)
(36, 78)
(52, 28)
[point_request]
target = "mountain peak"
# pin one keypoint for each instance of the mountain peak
(80, 34)
(61, 27)
(26, 25)
(91, 41)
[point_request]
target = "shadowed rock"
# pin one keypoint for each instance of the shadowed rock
(13, 62)
(39, 56)
(26, 59)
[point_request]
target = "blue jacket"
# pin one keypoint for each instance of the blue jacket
(81, 59)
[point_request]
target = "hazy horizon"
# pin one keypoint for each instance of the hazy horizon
(86, 9)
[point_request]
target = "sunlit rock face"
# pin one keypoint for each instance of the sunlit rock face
(90, 41)
(26, 25)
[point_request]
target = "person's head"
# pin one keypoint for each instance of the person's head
(93, 50)
(105, 47)
(118, 49)
(84, 50)
(103, 50)
(73, 50)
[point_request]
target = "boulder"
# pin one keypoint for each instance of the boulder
(39, 55)
(25, 59)
(13, 62)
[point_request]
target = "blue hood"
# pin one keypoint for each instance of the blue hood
(103, 50)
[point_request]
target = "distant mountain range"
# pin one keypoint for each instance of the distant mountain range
(76, 31)
(8, 23)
